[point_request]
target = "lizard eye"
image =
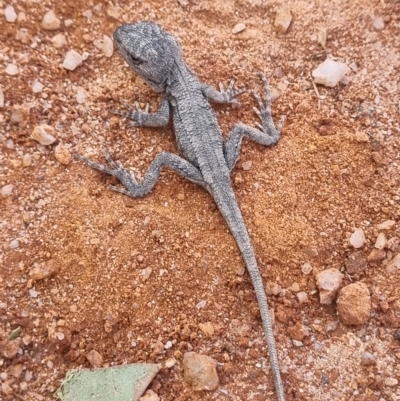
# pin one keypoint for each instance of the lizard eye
(135, 60)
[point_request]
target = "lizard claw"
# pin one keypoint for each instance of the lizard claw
(263, 110)
(230, 93)
(134, 113)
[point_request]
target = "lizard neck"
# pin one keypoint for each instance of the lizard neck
(182, 79)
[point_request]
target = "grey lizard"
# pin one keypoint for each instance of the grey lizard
(156, 57)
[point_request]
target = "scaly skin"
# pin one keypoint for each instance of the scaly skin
(156, 57)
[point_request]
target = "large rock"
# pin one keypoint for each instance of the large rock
(354, 304)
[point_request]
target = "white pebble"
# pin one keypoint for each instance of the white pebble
(201, 304)
(50, 22)
(9, 143)
(88, 14)
(10, 14)
(59, 41)
(378, 24)
(381, 241)
(391, 382)
(168, 345)
(107, 46)
(14, 244)
(80, 96)
(238, 28)
(68, 23)
(33, 293)
(37, 87)
(306, 268)
(329, 73)
(247, 165)
(72, 60)
(27, 160)
(357, 239)
(6, 190)
(11, 69)
(302, 297)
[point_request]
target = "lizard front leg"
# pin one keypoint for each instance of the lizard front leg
(131, 186)
(222, 96)
(142, 118)
(267, 134)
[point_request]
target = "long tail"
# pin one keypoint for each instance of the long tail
(227, 204)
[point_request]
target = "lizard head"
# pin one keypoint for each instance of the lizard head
(149, 50)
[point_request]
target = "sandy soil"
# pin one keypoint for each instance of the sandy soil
(336, 168)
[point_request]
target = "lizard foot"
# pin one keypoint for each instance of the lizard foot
(264, 111)
(116, 170)
(133, 113)
(230, 93)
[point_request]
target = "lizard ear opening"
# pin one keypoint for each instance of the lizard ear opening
(135, 60)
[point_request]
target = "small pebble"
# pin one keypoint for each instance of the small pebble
(386, 225)
(381, 241)
(328, 283)
(50, 22)
(297, 343)
(394, 265)
(14, 244)
(147, 272)
(10, 14)
(62, 154)
(329, 73)
(23, 36)
(378, 24)
(391, 382)
(94, 358)
(72, 60)
(107, 46)
(207, 328)
(283, 20)
(9, 143)
(80, 96)
(27, 160)
(6, 190)
(394, 244)
(33, 293)
(306, 268)
(247, 165)
(357, 239)
(59, 41)
(113, 12)
(68, 23)
(43, 134)
(302, 297)
(238, 28)
(37, 87)
(367, 359)
(88, 14)
(11, 69)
